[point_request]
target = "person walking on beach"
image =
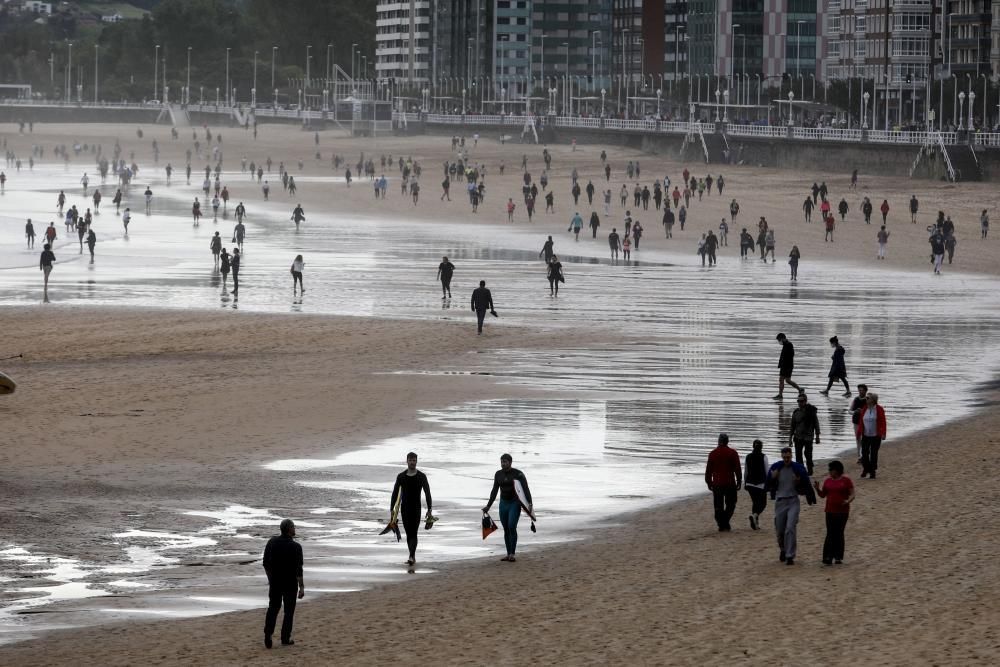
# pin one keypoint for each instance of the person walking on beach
(149, 200)
(807, 208)
(555, 275)
(724, 477)
(91, 242)
(445, 270)
(614, 241)
(838, 489)
(937, 250)
(786, 364)
(838, 370)
(793, 262)
(755, 467)
(547, 250)
(285, 585)
(804, 425)
(234, 266)
(225, 264)
(45, 262)
(885, 210)
(216, 246)
(595, 222)
(29, 233)
(871, 430)
(482, 302)
(504, 481)
(984, 223)
(298, 216)
(866, 210)
(575, 225)
(626, 248)
(914, 207)
(239, 233)
(787, 480)
(410, 483)
(117, 201)
(298, 266)
(859, 402)
(883, 240)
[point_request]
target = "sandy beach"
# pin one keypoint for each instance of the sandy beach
(184, 405)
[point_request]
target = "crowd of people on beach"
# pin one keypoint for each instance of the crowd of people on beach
(787, 480)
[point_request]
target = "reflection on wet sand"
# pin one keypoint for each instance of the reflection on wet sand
(685, 353)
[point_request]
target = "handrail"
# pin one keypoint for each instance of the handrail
(947, 160)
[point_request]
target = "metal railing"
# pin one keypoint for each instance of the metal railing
(947, 159)
(986, 139)
(776, 131)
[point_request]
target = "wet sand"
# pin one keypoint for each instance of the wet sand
(570, 614)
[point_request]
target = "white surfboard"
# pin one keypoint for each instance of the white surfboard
(523, 499)
(7, 384)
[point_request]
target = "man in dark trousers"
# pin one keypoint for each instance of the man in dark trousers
(410, 483)
(482, 302)
(804, 425)
(838, 369)
(755, 471)
(445, 271)
(724, 476)
(283, 565)
(234, 266)
(786, 364)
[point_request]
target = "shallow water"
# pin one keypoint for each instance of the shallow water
(607, 431)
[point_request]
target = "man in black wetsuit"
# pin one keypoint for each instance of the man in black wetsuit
(786, 363)
(482, 302)
(283, 565)
(410, 482)
(510, 505)
(445, 271)
(547, 250)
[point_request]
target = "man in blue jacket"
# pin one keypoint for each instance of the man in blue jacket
(787, 480)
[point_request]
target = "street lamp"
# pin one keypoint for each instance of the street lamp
(566, 91)
(961, 106)
(603, 93)
(864, 110)
(791, 115)
(274, 52)
(156, 70)
(659, 95)
(718, 94)
(187, 87)
(253, 102)
(732, 64)
(725, 97)
(228, 103)
(463, 101)
(593, 59)
(95, 73)
(972, 101)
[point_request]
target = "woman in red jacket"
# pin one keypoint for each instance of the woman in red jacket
(871, 431)
(884, 209)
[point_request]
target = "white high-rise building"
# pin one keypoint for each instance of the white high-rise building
(403, 40)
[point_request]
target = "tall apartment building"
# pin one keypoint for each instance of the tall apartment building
(572, 37)
(462, 38)
(403, 46)
(756, 37)
(995, 40)
(967, 36)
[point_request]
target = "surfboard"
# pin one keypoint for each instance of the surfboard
(393, 524)
(7, 384)
(523, 498)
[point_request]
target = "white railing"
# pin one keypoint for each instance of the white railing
(674, 126)
(757, 130)
(987, 139)
(947, 159)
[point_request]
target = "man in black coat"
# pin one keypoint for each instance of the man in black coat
(283, 565)
(482, 302)
(786, 364)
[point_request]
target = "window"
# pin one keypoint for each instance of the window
(909, 46)
(833, 25)
(860, 23)
(860, 48)
(833, 49)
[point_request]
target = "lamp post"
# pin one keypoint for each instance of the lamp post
(961, 106)
(542, 77)
(603, 93)
(95, 75)
(253, 92)
(718, 94)
(659, 96)
(725, 98)
(730, 73)
(677, 50)
(156, 70)
(187, 86)
(463, 101)
(864, 108)
(798, 49)
(623, 79)
(791, 114)
(354, 45)
(274, 53)
(593, 59)
(566, 90)
(972, 101)
(228, 103)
